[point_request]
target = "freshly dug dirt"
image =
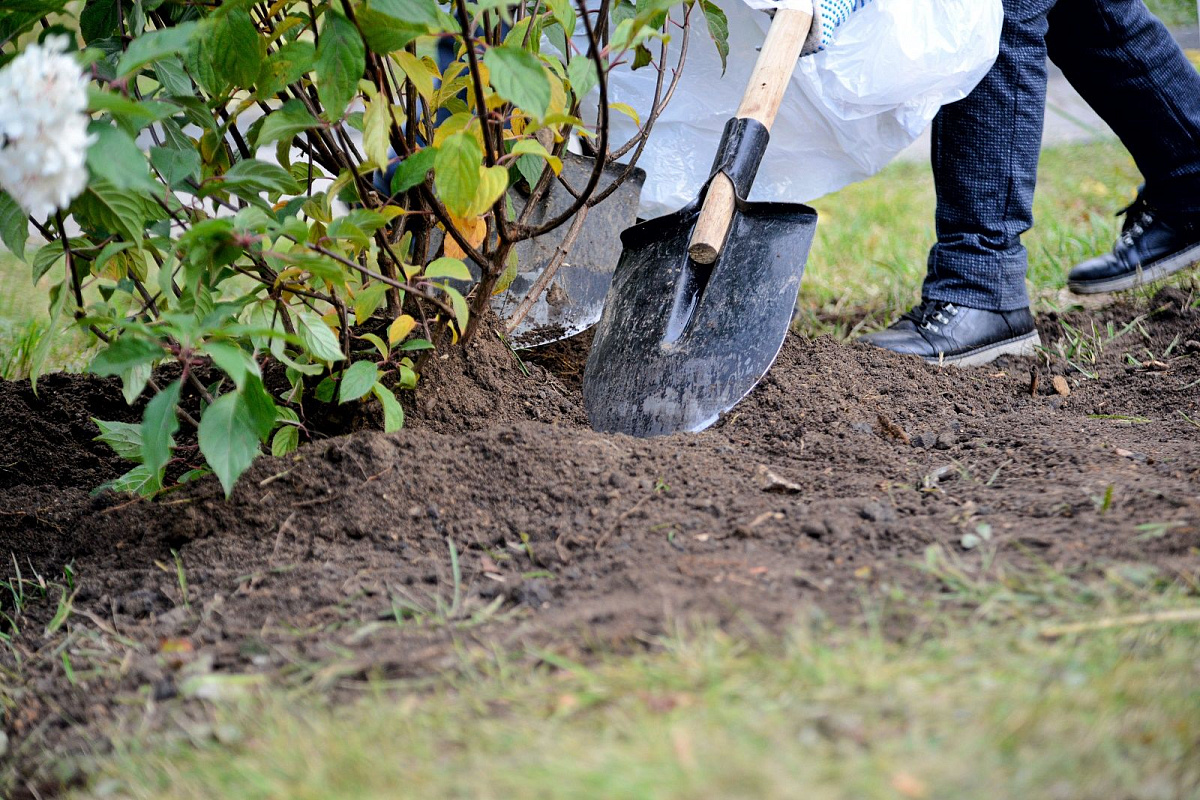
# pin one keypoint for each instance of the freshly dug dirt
(828, 483)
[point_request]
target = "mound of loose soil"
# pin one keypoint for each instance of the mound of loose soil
(830, 481)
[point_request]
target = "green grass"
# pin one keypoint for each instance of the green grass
(958, 710)
(1174, 12)
(873, 237)
(24, 321)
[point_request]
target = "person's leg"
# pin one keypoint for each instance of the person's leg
(1126, 65)
(985, 150)
(985, 155)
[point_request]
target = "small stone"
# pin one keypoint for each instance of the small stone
(945, 441)
(768, 481)
(1055, 402)
(862, 427)
(1061, 386)
(814, 529)
(1191, 346)
(877, 512)
(927, 439)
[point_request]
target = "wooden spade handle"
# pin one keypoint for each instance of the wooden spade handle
(764, 93)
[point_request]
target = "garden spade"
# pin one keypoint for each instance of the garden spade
(701, 299)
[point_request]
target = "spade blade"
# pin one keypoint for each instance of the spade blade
(678, 343)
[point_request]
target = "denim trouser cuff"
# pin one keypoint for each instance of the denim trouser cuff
(992, 282)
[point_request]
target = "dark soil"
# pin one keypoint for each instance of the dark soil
(828, 483)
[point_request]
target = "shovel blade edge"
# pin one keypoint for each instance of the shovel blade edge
(679, 344)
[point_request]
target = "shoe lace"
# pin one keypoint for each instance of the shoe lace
(1139, 215)
(929, 314)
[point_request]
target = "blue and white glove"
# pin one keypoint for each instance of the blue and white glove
(828, 15)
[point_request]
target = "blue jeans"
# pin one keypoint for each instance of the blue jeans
(1125, 64)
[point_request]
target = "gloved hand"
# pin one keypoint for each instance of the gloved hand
(827, 16)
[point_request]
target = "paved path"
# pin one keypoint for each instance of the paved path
(1068, 117)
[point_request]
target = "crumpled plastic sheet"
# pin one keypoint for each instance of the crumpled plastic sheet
(849, 110)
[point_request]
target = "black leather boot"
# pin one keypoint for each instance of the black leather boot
(1148, 249)
(944, 333)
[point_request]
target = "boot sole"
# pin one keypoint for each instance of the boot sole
(1020, 346)
(1148, 274)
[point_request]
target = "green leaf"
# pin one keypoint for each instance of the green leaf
(171, 74)
(232, 360)
(285, 66)
(642, 57)
(564, 13)
(718, 29)
(318, 339)
(14, 225)
(412, 171)
(448, 268)
(581, 72)
(367, 301)
(236, 48)
(518, 77)
(124, 353)
(99, 19)
(377, 130)
(393, 412)
(176, 166)
(416, 344)
(385, 34)
(132, 113)
(325, 389)
(228, 437)
(357, 380)
(461, 310)
(341, 61)
(159, 425)
(286, 440)
(116, 157)
(121, 211)
(250, 177)
(417, 13)
(125, 438)
(45, 258)
(141, 480)
(134, 380)
(262, 409)
(456, 168)
(285, 122)
(155, 45)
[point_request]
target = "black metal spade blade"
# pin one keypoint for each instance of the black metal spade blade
(680, 343)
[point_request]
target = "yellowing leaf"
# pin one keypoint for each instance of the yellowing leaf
(492, 183)
(509, 274)
(376, 130)
(474, 230)
(418, 71)
(399, 330)
(627, 110)
(534, 148)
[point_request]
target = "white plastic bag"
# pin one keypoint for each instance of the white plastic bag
(850, 109)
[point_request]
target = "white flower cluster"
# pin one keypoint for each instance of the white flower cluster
(43, 128)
